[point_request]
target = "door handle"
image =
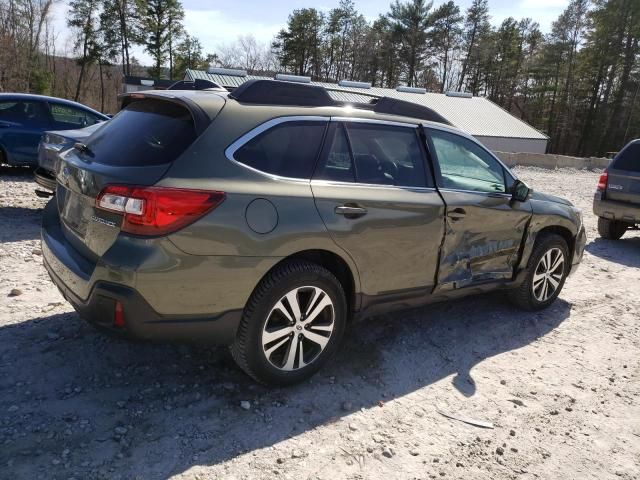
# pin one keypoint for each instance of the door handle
(350, 211)
(456, 214)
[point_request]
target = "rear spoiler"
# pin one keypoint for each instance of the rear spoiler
(200, 118)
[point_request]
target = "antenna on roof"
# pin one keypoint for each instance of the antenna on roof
(459, 94)
(292, 78)
(351, 84)
(405, 89)
(227, 71)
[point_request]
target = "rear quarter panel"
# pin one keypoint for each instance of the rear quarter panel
(225, 231)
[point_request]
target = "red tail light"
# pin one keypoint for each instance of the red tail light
(152, 211)
(602, 183)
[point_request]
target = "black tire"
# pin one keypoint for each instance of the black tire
(248, 351)
(524, 296)
(611, 229)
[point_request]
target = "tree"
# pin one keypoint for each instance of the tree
(160, 22)
(298, 46)
(445, 36)
(118, 20)
(411, 21)
(476, 30)
(82, 19)
(189, 55)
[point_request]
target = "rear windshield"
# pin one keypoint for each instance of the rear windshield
(629, 158)
(146, 132)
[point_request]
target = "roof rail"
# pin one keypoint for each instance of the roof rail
(276, 92)
(393, 106)
(197, 84)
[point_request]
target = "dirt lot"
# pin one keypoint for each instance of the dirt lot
(561, 387)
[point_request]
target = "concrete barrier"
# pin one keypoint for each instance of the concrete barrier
(551, 161)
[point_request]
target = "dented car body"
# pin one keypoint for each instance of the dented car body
(399, 210)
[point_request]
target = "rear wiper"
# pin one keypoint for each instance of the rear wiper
(81, 147)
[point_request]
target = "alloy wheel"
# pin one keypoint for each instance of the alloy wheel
(298, 328)
(548, 274)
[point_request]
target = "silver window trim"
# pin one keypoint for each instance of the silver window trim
(477, 192)
(337, 183)
(263, 127)
(375, 121)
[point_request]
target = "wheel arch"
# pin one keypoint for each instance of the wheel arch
(532, 237)
(564, 232)
(337, 265)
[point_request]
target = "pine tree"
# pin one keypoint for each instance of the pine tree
(158, 27)
(445, 36)
(411, 21)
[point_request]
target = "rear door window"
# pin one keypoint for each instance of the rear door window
(338, 165)
(28, 113)
(377, 154)
(66, 116)
(629, 158)
(289, 149)
(386, 154)
(146, 132)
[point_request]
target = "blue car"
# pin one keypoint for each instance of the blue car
(24, 118)
(52, 145)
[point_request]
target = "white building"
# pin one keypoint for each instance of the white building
(492, 125)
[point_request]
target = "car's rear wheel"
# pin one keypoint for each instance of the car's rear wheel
(611, 229)
(547, 271)
(292, 324)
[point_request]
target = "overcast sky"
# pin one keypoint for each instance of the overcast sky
(217, 22)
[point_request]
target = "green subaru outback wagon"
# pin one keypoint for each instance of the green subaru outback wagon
(268, 218)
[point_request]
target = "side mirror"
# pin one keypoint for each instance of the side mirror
(520, 191)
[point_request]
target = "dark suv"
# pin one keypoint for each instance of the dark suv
(617, 198)
(267, 218)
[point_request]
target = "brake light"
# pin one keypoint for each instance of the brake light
(153, 211)
(602, 182)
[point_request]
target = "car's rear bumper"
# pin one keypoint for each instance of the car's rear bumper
(141, 321)
(45, 179)
(165, 294)
(619, 211)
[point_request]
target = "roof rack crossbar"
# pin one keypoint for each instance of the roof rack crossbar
(275, 92)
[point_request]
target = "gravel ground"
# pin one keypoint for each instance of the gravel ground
(560, 387)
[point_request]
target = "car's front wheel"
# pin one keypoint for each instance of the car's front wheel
(611, 229)
(547, 271)
(292, 324)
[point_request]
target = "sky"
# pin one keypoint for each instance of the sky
(217, 22)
